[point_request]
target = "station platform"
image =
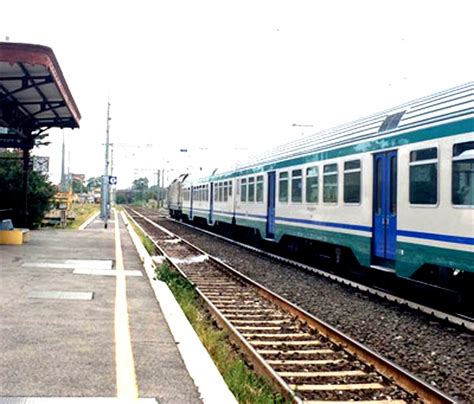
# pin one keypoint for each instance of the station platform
(80, 322)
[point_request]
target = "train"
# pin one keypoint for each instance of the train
(391, 192)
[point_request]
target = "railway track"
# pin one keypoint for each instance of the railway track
(306, 359)
(459, 320)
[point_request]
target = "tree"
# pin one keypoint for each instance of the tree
(139, 187)
(40, 190)
(78, 187)
(140, 184)
(123, 196)
(94, 182)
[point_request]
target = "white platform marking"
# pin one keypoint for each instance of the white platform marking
(72, 264)
(104, 272)
(49, 294)
(70, 400)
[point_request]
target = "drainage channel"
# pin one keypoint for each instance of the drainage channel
(306, 359)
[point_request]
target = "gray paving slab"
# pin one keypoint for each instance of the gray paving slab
(65, 348)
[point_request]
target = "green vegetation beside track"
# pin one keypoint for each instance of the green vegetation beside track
(82, 212)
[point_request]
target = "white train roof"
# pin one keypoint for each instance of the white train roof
(451, 104)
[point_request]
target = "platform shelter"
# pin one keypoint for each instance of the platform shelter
(34, 97)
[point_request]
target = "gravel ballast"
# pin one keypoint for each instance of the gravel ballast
(440, 354)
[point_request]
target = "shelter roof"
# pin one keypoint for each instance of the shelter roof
(34, 95)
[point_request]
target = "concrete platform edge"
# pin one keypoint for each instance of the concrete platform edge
(88, 221)
(197, 360)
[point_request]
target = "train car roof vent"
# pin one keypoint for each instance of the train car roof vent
(391, 122)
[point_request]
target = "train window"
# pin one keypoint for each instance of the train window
(216, 191)
(463, 174)
(393, 185)
(296, 186)
(251, 197)
(283, 187)
(379, 180)
(259, 196)
(243, 190)
(221, 196)
(312, 184)
(352, 181)
(330, 183)
(226, 192)
(230, 187)
(424, 176)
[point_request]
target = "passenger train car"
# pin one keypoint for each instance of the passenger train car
(394, 190)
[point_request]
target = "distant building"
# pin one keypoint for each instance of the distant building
(78, 177)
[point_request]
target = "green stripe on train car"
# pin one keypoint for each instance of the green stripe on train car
(359, 245)
(411, 256)
(252, 223)
(217, 217)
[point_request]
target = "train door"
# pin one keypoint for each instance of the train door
(271, 205)
(385, 205)
(211, 201)
(191, 203)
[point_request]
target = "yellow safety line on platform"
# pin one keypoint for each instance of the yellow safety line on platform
(125, 367)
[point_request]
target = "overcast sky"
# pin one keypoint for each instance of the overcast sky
(224, 79)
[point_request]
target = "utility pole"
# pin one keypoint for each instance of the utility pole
(162, 186)
(113, 187)
(158, 188)
(105, 208)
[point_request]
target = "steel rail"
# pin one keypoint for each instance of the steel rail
(401, 377)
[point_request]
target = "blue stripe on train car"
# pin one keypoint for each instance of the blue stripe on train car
(326, 224)
(438, 237)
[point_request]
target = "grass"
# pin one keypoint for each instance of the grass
(247, 386)
(149, 246)
(82, 212)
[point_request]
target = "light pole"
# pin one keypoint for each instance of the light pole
(105, 208)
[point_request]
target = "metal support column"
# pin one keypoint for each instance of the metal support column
(24, 201)
(105, 206)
